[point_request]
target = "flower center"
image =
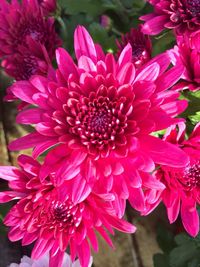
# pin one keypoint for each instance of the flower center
(65, 213)
(139, 55)
(32, 29)
(98, 123)
(194, 7)
(28, 67)
(191, 177)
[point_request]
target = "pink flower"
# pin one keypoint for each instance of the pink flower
(23, 24)
(140, 43)
(44, 262)
(46, 215)
(182, 192)
(101, 113)
(181, 15)
(187, 54)
(48, 6)
(26, 62)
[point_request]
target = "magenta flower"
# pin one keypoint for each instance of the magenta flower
(140, 43)
(26, 62)
(23, 24)
(44, 262)
(187, 54)
(100, 111)
(46, 215)
(180, 15)
(182, 192)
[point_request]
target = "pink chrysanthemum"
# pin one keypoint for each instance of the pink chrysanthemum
(102, 111)
(27, 62)
(141, 46)
(44, 262)
(182, 192)
(23, 24)
(46, 215)
(181, 15)
(187, 54)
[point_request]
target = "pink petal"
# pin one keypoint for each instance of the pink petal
(136, 198)
(125, 57)
(173, 211)
(56, 260)
(29, 116)
(190, 218)
(163, 152)
(9, 173)
(169, 78)
(84, 253)
(41, 247)
(126, 74)
(39, 82)
(154, 25)
(149, 73)
(41, 148)
(120, 224)
(65, 63)
(24, 91)
(86, 64)
(83, 44)
(27, 141)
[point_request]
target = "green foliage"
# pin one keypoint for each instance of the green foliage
(179, 251)
(74, 7)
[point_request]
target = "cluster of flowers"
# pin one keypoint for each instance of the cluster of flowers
(95, 118)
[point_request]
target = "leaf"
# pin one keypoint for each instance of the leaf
(182, 239)
(195, 118)
(165, 239)
(100, 35)
(73, 7)
(180, 256)
(161, 260)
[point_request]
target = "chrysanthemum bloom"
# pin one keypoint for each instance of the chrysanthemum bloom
(46, 215)
(182, 192)
(27, 62)
(44, 262)
(23, 24)
(187, 54)
(180, 15)
(102, 114)
(48, 6)
(141, 46)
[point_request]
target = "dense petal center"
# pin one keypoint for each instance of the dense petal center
(191, 178)
(98, 121)
(194, 7)
(64, 214)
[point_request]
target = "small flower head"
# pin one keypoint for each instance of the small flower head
(25, 63)
(46, 215)
(23, 24)
(180, 15)
(140, 43)
(187, 54)
(182, 192)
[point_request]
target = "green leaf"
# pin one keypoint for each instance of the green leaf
(100, 35)
(161, 260)
(182, 239)
(91, 7)
(180, 256)
(194, 263)
(165, 239)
